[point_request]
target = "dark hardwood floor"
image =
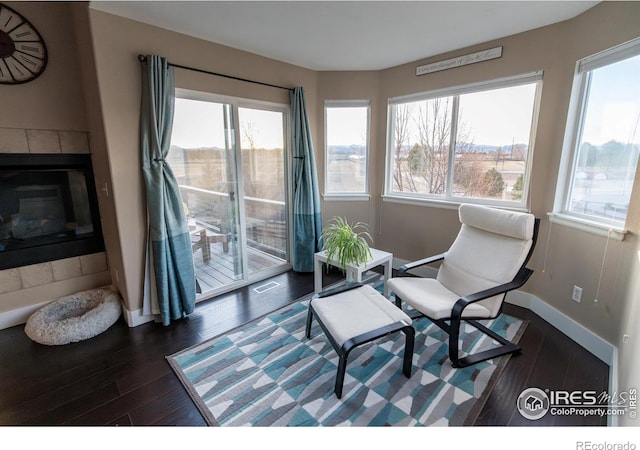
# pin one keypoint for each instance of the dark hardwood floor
(121, 377)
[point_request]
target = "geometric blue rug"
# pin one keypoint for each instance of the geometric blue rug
(267, 373)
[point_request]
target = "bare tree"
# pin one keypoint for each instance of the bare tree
(249, 158)
(519, 152)
(401, 138)
(434, 134)
(426, 167)
(469, 176)
(499, 156)
(249, 133)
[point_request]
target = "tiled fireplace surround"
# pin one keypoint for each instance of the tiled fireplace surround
(25, 289)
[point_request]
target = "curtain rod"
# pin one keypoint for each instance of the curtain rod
(142, 58)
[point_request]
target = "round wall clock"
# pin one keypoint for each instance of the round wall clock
(23, 55)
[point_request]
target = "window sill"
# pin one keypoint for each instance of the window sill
(588, 226)
(447, 204)
(346, 197)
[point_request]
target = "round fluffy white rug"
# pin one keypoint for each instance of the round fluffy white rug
(74, 318)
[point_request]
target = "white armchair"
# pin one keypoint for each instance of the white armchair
(487, 259)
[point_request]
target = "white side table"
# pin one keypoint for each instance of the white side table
(354, 273)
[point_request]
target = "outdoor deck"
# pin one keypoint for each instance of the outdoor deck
(219, 272)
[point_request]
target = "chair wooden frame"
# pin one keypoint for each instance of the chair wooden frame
(455, 321)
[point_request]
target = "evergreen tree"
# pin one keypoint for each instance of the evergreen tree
(493, 183)
(516, 193)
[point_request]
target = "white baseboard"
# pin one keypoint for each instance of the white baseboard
(601, 348)
(604, 350)
(19, 316)
(136, 317)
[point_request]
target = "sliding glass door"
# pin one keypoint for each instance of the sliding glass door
(229, 160)
(264, 185)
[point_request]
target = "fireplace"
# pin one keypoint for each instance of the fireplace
(48, 208)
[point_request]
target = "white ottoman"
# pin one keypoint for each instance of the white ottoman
(355, 314)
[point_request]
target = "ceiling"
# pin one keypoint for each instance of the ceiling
(347, 35)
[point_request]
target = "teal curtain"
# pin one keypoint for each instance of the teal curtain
(168, 242)
(307, 218)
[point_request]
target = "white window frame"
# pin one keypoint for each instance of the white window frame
(347, 196)
(447, 200)
(573, 131)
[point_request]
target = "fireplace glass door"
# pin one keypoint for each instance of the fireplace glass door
(47, 205)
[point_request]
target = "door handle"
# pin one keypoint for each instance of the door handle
(232, 196)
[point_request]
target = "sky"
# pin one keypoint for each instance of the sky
(499, 116)
(347, 125)
(495, 117)
(201, 124)
(613, 111)
(192, 124)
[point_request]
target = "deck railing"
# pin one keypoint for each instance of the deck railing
(266, 223)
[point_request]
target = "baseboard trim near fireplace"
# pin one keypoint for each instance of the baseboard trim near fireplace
(19, 315)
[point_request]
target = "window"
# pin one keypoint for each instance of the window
(346, 147)
(602, 139)
(470, 143)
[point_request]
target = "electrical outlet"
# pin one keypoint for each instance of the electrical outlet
(576, 296)
(625, 338)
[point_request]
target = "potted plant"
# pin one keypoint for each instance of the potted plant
(346, 243)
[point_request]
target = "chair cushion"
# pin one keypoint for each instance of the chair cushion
(508, 223)
(489, 250)
(431, 298)
(355, 312)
